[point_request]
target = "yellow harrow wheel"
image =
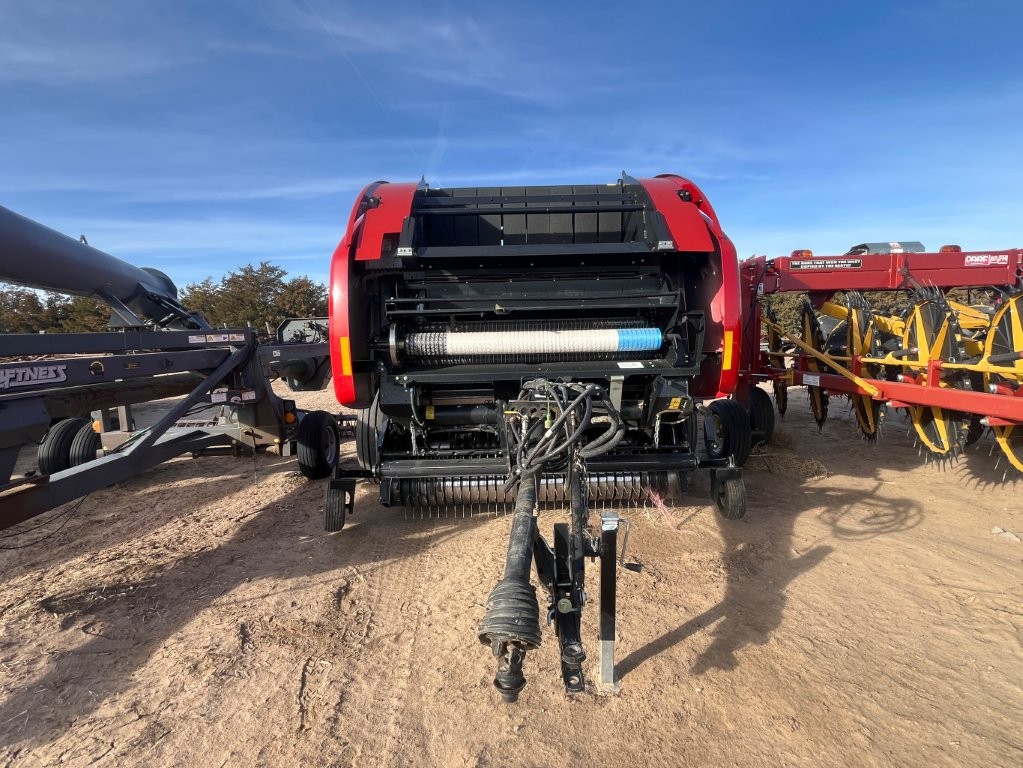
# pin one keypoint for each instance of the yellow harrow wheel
(1006, 336)
(777, 360)
(814, 336)
(932, 331)
(862, 340)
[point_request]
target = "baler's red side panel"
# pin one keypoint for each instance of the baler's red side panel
(688, 228)
(699, 199)
(728, 305)
(694, 226)
(337, 307)
(379, 210)
(385, 218)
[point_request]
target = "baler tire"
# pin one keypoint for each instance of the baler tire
(86, 444)
(367, 426)
(319, 444)
(735, 438)
(334, 509)
(54, 454)
(729, 497)
(761, 414)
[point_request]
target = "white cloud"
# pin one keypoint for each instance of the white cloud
(67, 43)
(455, 51)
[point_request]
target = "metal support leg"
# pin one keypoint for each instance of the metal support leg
(607, 682)
(567, 599)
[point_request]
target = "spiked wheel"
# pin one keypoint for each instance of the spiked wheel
(862, 340)
(777, 360)
(814, 336)
(1004, 338)
(932, 331)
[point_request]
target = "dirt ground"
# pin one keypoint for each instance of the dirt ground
(199, 616)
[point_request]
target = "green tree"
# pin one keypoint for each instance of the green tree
(84, 313)
(21, 311)
(54, 312)
(203, 297)
(302, 297)
(250, 295)
(255, 296)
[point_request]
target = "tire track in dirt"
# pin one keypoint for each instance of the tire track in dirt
(412, 609)
(369, 711)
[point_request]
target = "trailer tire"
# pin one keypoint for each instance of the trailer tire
(334, 509)
(734, 437)
(367, 431)
(319, 444)
(86, 444)
(729, 496)
(54, 454)
(761, 415)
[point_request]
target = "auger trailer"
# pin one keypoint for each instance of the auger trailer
(956, 365)
(51, 385)
(510, 348)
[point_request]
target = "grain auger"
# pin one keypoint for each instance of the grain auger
(63, 392)
(955, 366)
(515, 348)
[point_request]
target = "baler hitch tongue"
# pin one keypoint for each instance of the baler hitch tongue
(511, 624)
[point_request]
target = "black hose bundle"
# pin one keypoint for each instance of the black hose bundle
(552, 439)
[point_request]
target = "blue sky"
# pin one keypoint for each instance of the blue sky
(200, 136)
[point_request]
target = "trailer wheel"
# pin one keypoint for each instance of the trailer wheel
(86, 444)
(334, 509)
(367, 431)
(319, 444)
(54, 454)
(734, 438)
(761, 415)
(729, 496)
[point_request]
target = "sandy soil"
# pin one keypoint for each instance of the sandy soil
(198, 615)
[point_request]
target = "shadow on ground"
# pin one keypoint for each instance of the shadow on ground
(129, 620)
(760, 561)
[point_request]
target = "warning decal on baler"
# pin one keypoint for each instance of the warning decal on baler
(826, 264)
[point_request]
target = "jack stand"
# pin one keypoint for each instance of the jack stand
(609, 522)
